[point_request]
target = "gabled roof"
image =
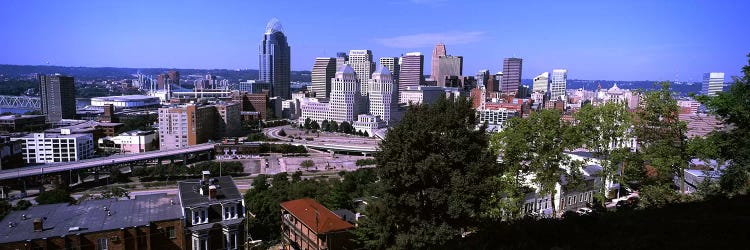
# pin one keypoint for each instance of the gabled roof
(315, 216)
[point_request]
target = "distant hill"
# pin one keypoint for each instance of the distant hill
(111, 73)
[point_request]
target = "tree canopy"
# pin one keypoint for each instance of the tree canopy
(435, 171)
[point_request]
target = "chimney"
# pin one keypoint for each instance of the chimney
(212, 192)
(206, 174)
(38, 225)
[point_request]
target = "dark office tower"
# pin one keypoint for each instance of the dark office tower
(275, 60)
(58, 96)
(511, 75)
(412, 74)
(341, 59)
(323, 70)
(437, 52)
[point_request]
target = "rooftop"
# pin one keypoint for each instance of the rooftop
(14, 117)
(89, 216)
(225, 190)
(125, 98)
(316, 216)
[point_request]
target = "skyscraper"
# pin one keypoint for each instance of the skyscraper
(361, 62)
(341, 59)
(383, 97)
(345, 96)
(448, 66)
(713, 83)
(274, 58)
(482, 77)
(392, 64)
(511, 75)
(437, 52)
(412, 74)
(323, 70)
(558, 85)
(58, 96)
(541, 82)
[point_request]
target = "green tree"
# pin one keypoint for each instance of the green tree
(346, 128)
(547, 149)
(365, 134)
(733, 143)
(325, 126)
(5, 208)
(308, 121)
(334, 126)
(435, 172)
(307, 164)
(282, 132)
(54, 196)
(514, 146)
(603, 131)
(661, 136)
(22, 205)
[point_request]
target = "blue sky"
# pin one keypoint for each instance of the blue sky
(614, 40)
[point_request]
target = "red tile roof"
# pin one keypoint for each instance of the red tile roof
(305, 210)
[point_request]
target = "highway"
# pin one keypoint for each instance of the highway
(96, 162)
(365, 145)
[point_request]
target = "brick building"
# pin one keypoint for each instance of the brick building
(308, 225)
(146, 222)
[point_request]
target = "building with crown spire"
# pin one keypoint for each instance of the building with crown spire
(275, 61)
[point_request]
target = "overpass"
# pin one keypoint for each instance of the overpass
(101, 162)
(22, 102)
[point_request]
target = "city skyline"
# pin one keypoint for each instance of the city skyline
(657, 41)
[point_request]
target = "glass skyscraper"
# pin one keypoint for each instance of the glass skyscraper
(274, 60)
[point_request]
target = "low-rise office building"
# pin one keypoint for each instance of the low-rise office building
(13, 123)
(368, 124)
(11, 155)
(63, 147)
(130, 142)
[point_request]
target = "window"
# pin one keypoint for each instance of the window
(101, 244)
(171, 233)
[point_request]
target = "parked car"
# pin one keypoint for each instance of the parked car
(584, 211)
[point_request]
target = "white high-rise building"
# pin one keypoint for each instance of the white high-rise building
(383, 98)
(558, 85)
(345, 95)
(392, 64)
(361, 62)
(63, 147)
(712, 83)
(541, 82)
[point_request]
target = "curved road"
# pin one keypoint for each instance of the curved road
(366, 145)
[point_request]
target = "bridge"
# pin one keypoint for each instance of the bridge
(22, 102)
(103, 162)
